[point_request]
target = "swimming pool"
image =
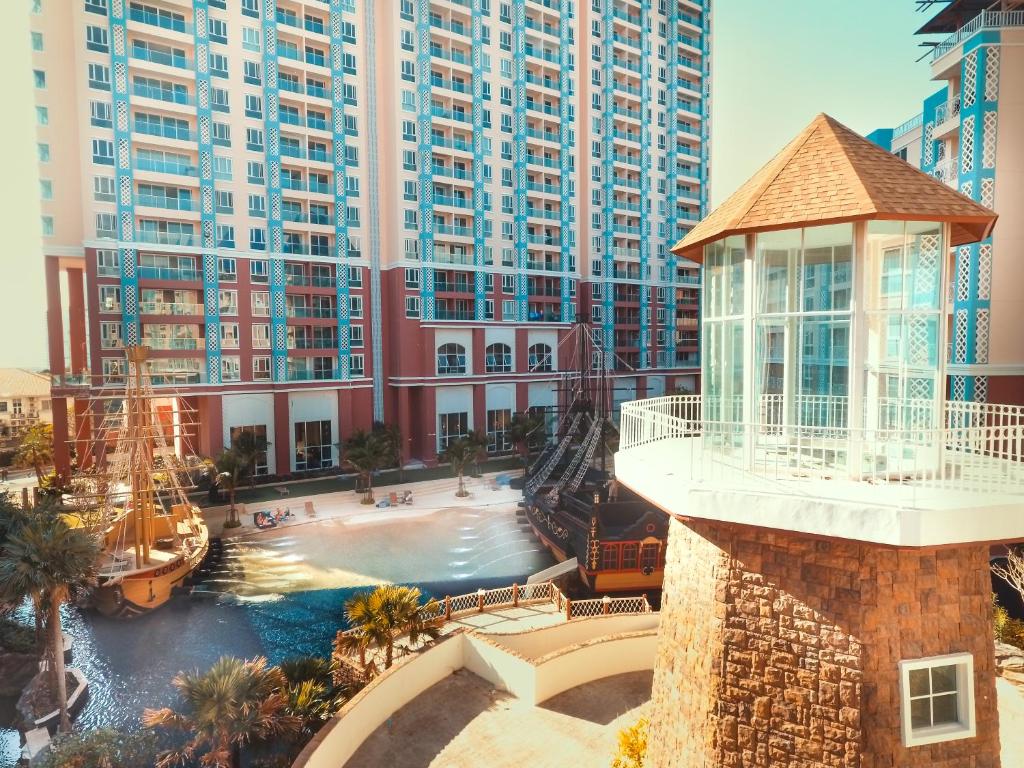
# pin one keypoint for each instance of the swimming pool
(281, 592)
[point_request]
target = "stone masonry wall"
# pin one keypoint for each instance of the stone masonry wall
(781, 650)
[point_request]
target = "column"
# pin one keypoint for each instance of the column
(428, 424)
(76, 321)
(54, 318)
(61, 449)
(480, 407)
(404, 425)
(282, 434)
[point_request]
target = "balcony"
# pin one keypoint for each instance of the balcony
(899, 482)
(984, 20)
(178, 274)
(948, 171)
(158, 237)
(162, 20)
(947, 119)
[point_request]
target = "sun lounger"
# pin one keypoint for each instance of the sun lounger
(282, 490)
(263, 520)
(393, 497)
(310, 511)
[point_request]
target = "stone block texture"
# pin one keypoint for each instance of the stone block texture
(778, 649)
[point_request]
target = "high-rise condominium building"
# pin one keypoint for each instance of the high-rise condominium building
(970, 134)
(322, 213)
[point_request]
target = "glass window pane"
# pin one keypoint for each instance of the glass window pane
(944, 679)
(944, 709)
(735, 252)
(778, 255)
(924, 251)
(919, 684)
(826, 269)
(920, 713)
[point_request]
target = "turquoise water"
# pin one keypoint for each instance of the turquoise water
(283, 594)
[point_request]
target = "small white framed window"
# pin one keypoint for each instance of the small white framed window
(937, 699)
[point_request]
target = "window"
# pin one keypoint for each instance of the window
(508, 283)
(508, 310)
(39, 77)
(261, 368)
(106, 225)
(229, 335)
(225, 201)
(110, 335)
(37, 41)
(356, 338)
(451, 359)
(497, 431)
(222, 134)
(218, 31)
(355, 277)
(96, 39)
(46, 189)
(42, 116)
(47, 225)
(227, 270)
(540, 358)
(356, 365)
(498, 358)
(259, 272)
(412, 306)
(251, 8)
(257, 436)
(355, 304)
(100, 112)
(937, 699)
(218, 65)
(230, 368)
(451, 426)
(103, 151)
(260, 303)
(228, 302)
(99, 77)
(314, 447)
(260, 336)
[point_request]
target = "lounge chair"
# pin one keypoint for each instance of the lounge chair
(310, 510)
(282, 490)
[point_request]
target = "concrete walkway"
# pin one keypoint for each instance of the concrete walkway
(462, 722)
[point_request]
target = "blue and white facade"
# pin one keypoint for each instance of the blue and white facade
(969, 135)
(289, 197)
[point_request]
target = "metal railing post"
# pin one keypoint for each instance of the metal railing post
(515, 595)
(447, 607)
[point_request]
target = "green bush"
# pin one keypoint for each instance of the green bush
(101, 749)
(16, 637)
(51, 485)
(1007, 630)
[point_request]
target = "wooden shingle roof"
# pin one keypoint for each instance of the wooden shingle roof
(830, 174)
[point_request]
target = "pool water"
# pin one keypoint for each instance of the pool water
(280, 593)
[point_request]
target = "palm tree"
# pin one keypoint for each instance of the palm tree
(382, 616)
(51, 564)
(230, 467)
(250, 447)
(459, 453)
(392, 434)
(36, 449)
(525, 431)
(235, 702)
(312, 694)
(367, 452)
(478, 439)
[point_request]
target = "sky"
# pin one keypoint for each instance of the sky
(775, 65)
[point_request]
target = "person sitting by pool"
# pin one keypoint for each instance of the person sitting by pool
(407, 497)
(280, 515)
(262, 520)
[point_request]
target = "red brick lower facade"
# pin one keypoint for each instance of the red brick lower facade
(778, 649)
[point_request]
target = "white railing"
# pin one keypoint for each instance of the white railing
(514, 595)
(948, 171)
(908, 125)
(947, 111)
(984, 20)
(968, 446)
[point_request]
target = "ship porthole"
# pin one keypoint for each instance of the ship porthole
(650, 527)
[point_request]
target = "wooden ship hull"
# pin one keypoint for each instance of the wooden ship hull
(136, 591)
(151, 536)
(619, 544)
(573, 504)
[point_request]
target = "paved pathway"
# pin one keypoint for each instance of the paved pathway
(462, 722)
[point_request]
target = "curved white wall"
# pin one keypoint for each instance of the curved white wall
(541, 642)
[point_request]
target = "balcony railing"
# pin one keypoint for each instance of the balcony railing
(169, 273)
(984, 20)
(908, 446)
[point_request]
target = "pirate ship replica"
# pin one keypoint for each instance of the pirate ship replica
(577, 509)
(132, 495)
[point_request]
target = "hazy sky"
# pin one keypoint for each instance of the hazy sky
(775, 66)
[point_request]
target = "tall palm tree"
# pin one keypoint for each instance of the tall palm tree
(526, 430)
(380, 617)
(235, 702)
(367, 452)
(459, 453)
(230, 467)
(249, 447)
(36, 449)
(51, 564)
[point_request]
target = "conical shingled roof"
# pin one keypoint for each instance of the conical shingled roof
(830, 174)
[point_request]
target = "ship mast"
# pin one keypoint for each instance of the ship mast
(141, 456)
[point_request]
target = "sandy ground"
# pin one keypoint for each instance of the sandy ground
(429, 496)
(462, 722)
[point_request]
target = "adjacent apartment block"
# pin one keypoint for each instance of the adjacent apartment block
(968, 134)
(24, 402)
(322, 213)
